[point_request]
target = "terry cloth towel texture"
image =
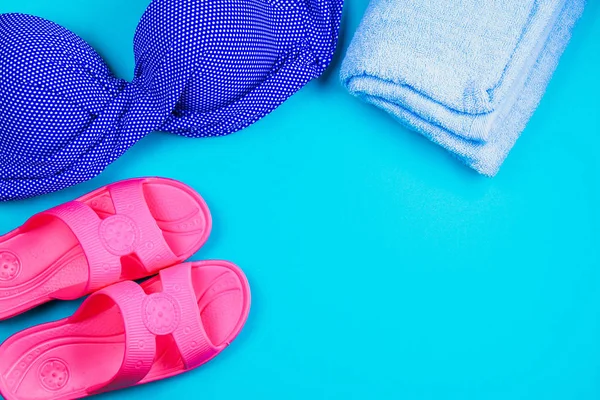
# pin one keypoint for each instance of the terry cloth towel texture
(467, 74)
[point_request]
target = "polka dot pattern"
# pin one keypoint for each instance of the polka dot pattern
(203, 68)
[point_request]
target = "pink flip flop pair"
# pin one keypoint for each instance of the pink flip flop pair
(124, 334)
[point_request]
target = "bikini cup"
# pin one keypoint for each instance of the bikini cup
(203, 68)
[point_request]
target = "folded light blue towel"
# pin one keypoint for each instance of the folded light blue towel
(467, 74)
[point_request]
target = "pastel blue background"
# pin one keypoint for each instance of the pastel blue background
(381, 267)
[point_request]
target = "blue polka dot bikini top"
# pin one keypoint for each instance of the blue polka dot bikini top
(203, 68)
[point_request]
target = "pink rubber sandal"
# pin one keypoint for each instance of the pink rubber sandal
(126, 230)
(126, 334)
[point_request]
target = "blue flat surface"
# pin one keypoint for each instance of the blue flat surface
(380, 266)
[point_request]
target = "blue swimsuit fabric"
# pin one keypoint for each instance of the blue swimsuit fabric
(203, 68)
